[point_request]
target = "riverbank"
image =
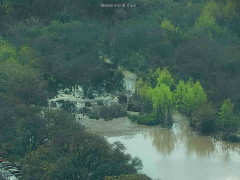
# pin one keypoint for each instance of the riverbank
(115, 127)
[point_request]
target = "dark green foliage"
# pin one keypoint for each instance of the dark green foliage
(78, 155)
(85, 110)
(122, 99)
(227, 119)
(88, 104)
(108, 112)
(69, 106)
(204, 119)
(145, 119)
(100, 103)
(63, 43)
(138, 44)
(20, 81)
(69, 54)
(24, 128)
(134, 103)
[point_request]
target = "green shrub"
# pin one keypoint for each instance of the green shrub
(94, 114)
(100, 102)
(204, 119)
(122, 99)
(113, 111)
(145, 119)
(85, 110)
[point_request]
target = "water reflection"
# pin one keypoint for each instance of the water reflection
(202, 146)
(181, 154)
(227, 146)
(164, 140)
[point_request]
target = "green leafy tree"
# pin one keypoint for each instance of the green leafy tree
(204, 119)
(164, 77)
(78, 155)
(160, 97)
(227, 119)
(163, 103)
(189, 96)
(207, 20)
(174, 33)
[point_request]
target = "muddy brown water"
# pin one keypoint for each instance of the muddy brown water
(178, 153)
(167, 154)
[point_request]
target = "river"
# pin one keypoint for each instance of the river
(167, 154)
(181, 154)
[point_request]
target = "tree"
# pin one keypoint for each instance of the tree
(163, 103)
(207, 20)
(78, 155)
(204, 119)
(23, 128)
(226, 117)
(174, 33)
(189, 96)
(160, 97)
(164, 77)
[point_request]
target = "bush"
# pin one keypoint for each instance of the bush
(134, 104)
(232, 137)
(145, 119)
(204, 119)
(85, 110)
(114, 111)
(100, 102)
(88, 104)
(69, 106)
(122, 99)
(94, 114)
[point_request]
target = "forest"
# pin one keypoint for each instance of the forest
(186, 54)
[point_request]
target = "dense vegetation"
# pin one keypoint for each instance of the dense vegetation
(49, 45)
(159, 95)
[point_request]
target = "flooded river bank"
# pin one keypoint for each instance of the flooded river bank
(167, 154)
(180, 154)
(173, 154)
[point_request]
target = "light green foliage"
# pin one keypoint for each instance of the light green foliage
(143, 89)
(180, 93)
(7, 51)
(207, 20)
(200, 96)
(167, 25)
(21, 82)
(161, 97)
(19, 79)
(226, 118)
(186, 97)
(189, 96)
(164, 77)
(174, 33)
(163, 101)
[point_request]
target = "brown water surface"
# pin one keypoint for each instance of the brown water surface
(180, 154)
